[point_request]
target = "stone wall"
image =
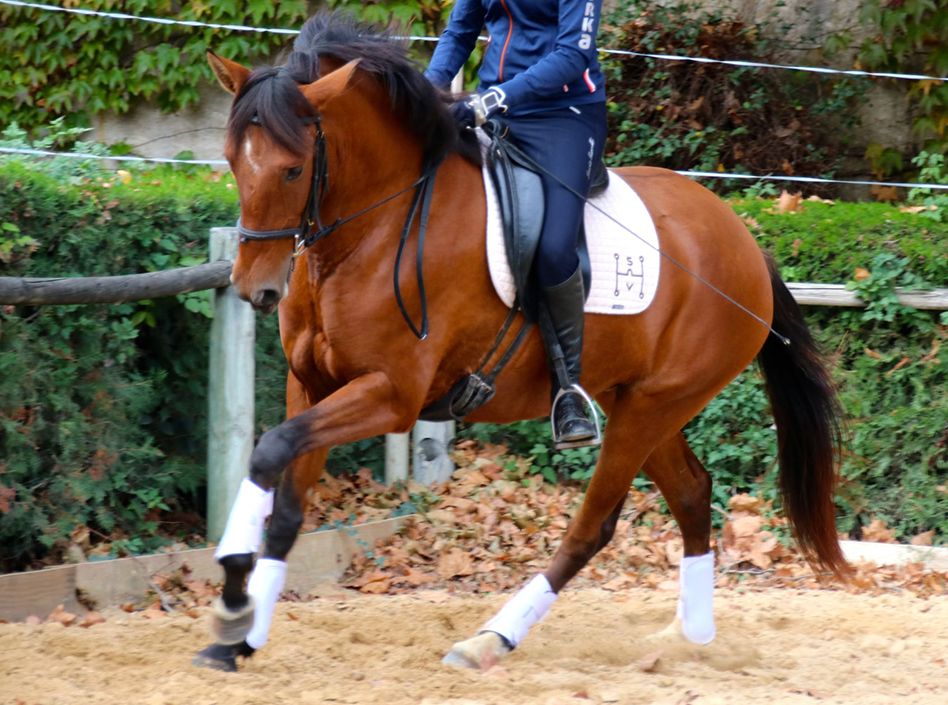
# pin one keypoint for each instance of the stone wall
(152, 133)
(800, 28)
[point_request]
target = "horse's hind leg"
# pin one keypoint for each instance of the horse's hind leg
(686, 486)
(623, 453)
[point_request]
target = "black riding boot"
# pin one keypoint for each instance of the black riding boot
(573, 418)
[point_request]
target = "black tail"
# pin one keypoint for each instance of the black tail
(807, 414)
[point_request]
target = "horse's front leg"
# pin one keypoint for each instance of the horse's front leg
(365, 407)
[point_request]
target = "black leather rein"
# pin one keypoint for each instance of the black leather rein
(305, 235)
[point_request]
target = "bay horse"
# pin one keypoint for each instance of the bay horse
(345, 134)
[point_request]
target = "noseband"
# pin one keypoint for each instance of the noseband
(304, 235)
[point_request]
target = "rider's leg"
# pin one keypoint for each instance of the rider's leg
(577, 136)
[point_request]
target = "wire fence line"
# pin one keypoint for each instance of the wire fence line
(693, 174)
(415, 38)
(620, 52)
(110, 157)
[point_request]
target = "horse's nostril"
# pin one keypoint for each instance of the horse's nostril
(266, 299)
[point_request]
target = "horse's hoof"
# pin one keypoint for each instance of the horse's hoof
(222, 657)
(670, 634)
(479, 652)
(231, 626)
(676, 632)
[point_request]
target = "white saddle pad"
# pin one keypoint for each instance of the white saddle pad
(625, 265)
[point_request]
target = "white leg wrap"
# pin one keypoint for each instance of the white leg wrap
(522, 611)
(265, 585)
(244, 528)
(695, 603)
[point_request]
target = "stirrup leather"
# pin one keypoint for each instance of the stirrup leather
(595, 440)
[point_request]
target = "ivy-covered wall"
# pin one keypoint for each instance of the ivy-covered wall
(123, 77)
(898, 118)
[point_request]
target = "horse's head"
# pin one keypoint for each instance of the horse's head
(380, 134)
(272, 147)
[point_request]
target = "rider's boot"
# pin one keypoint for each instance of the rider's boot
(575, 422)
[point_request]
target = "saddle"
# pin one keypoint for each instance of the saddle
(519, 191)
(522, 205)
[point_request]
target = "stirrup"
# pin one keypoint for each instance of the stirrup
(562, 445)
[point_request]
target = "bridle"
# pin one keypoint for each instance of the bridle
(317, 189)
(311, 228)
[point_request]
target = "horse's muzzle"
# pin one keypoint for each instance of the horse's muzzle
(265, 300)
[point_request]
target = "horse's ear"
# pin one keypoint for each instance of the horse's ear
(230, 74)
(321, 91)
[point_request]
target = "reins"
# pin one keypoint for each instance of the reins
(304, 235)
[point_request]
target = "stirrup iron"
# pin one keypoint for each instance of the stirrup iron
(595, 440)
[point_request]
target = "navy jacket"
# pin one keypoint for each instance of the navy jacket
(542, 54)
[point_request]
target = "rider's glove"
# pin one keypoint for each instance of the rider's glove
(476, 109)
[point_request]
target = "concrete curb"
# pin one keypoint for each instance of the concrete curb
(315, 558)
(934, 557)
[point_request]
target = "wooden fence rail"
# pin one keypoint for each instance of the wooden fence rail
(214, 275)
(113, 290)
(839, 295)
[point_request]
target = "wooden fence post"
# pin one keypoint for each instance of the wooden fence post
(396, 457)
(230, 391)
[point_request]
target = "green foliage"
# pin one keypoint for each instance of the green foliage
(102, 408)
(57, 63)
(933, 169)
(827, 242)
(912, 37)
(687, 115)
(908, 36)
(888, 359)
(424, 17)
(76, 66)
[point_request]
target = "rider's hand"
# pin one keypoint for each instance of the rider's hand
(463, 113)
(475, 110)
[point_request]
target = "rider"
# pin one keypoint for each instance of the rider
(541, 74)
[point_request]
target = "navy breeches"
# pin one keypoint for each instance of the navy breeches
(566, 143)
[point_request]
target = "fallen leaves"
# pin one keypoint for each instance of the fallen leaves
(7, 497)
(495, 526)
(455, 563)
(746, 538)
(91, 619)
(877, 531)
(917, 209)
(788, 203)
(61, 616)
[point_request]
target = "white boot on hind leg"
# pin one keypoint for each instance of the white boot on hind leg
(502, 633)
(695, 614)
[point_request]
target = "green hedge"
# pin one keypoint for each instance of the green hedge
(102, 408)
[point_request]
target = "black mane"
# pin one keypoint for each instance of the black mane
(271, 96)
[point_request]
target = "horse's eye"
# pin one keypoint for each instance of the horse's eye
(293, 173)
